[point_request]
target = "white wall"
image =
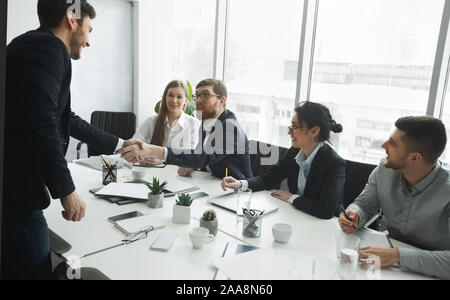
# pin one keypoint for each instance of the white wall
(103, 78)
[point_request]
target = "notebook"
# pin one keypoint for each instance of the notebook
(94, 161)
(229, 202)
(124, 190)
(134, 225)
(176, 185)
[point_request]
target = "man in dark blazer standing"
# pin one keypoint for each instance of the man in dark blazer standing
(223, 145)
(39, 122)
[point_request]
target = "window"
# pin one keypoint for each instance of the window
(191, 39)
(379, 69)
(263, 37)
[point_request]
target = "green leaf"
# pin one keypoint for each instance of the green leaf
(157, 107)
(190, 90)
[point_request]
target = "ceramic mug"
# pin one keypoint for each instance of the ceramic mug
(200, 236)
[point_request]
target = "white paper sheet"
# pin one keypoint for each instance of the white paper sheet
(275, 264)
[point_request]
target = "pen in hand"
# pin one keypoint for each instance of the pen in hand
(347, 217)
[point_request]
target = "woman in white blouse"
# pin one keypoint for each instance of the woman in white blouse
(171, 127)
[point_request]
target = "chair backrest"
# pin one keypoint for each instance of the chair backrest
(256, 154)
(121, 124)
(356, 176)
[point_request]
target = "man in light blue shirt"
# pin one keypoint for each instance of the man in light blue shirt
(413, 190)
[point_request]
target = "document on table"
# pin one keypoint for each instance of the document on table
(275, 264)
(125, 190)
(371, 238)
(176, 185)
(137, 224)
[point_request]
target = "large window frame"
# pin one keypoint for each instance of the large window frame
(309, 17)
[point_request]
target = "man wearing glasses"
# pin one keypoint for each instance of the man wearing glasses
(223, 144)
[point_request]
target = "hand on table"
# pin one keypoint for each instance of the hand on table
(282, 195)
(386, 256)
(184, 171)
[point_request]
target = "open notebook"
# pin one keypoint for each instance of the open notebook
(228, 201)
(94, 161)
(137, 224)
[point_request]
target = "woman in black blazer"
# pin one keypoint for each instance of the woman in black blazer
(315, 172)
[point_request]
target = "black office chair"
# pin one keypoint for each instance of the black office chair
(256, 155)
(58, 247)
(356, 176)
(121, 124)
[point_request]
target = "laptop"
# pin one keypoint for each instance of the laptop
(228, 202)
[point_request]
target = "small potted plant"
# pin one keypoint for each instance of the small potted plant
(182, 209)
(156, 195)
(209, 221)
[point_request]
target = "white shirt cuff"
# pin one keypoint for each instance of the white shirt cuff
(119, 145)
(293, 197)
(166, 154)
(244, 184)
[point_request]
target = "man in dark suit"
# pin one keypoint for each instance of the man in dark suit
(39, 122)
(223, 144)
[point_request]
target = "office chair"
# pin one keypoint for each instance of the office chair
(58, 247)
(121, 124)
(256, 155)
(356, 177)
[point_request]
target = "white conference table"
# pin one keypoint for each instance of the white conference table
(311, 236)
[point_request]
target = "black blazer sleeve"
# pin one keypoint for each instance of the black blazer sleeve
(201, 156)
(91, 135)
(40, 88)
(330, 193)
(275, 175)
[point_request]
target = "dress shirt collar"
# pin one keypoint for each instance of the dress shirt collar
(301, 158)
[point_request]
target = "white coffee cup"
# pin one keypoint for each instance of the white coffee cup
(200, 236)
(282, 232)
(138, 174)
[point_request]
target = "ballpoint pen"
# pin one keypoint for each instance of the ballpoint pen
(347, 216)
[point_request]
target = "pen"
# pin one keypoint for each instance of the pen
(226, 172)
(347, 216)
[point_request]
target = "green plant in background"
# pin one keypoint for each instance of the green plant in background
(184, 200)
(190, 106)
(209, 215)
(156, 187)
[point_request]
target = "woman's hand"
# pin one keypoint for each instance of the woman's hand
(282, 195)
(231, 183)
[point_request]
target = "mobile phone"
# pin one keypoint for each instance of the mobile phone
(164, 241)
(132, 214)
(198, 195)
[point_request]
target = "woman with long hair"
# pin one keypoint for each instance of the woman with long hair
(171, 127)
(315, 172)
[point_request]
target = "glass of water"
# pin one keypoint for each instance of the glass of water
(244, 197)
(348, 262)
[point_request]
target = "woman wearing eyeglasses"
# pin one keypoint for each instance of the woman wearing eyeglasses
(315, 172)
(171, 127)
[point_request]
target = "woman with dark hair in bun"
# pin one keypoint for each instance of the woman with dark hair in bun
(315, 172)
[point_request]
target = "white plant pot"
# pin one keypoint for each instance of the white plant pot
(181, 214)
(155, 201)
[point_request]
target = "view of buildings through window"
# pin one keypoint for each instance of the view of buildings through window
(371, 74)
(263, 35)
(373, 64)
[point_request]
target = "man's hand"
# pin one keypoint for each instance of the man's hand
(282, 195)
(151, 161)
(231, 183)
(184, 171)
(347, 225)
(133, 142)
(387, 256)
(74, 207)
(141, 151)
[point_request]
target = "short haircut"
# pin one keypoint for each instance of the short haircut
(218, 86)
(51, 12)
(425, 135)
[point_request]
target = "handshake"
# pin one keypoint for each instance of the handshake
(136, 151)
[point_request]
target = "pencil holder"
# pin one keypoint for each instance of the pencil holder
(109, 174)
(252, 221)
